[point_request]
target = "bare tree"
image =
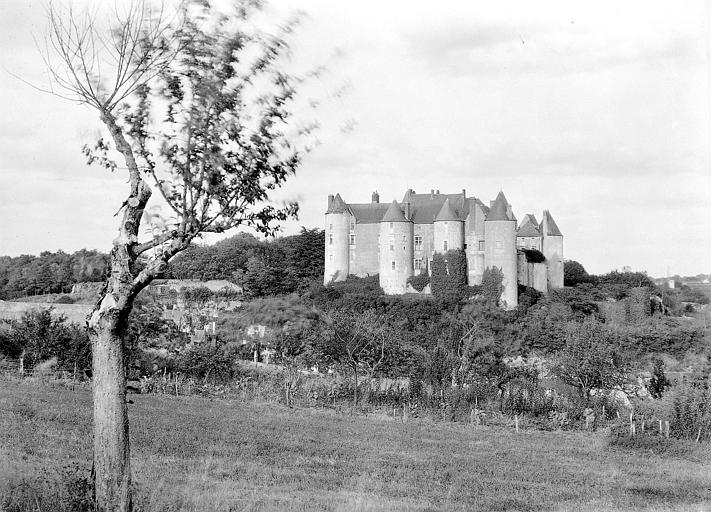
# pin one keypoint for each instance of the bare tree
(196, 106)
(359, 342)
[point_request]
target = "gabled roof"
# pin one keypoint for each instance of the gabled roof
(368, 213)
(447, 212)
(500, 209)
(550, 228)
(338, 205)
(529, 226)
(394, 214)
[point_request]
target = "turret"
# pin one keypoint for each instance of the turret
(448, 229)
(552, 249)
(396, 250)
(500, 247)
(338, 221)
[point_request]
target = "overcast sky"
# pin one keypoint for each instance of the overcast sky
(597, 111)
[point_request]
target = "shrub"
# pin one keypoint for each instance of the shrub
(691, 412)
(419, 282)
(68, 489)
(65, 299)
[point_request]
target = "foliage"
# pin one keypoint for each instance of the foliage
(208, 362)
(574, 274)
(533, 256)
(49, 272)
(659, 382)
(449, 275)
(591, 359)
(40, 336)
(492, 284)
(691, 411)
(419, 282)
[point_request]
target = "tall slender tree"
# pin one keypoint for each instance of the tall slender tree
(196, 107)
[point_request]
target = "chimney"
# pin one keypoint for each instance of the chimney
(375, 197)
(437, 191)
(330, 200)
(464, 192)
(431, 193)
(407, 210)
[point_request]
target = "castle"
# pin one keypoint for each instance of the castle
(398, 240)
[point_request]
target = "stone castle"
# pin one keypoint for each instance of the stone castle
(397, 241)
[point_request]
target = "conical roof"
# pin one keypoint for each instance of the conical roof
(499, 210)
(529, 226)
(338, 205)
(549, 225)
(394, 213)
(446, 212)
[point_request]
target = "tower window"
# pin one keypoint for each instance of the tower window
(418, 263)
(330, 239)
(391, 225)
(392, 247)
(418, 242)
(392, 264)
(499, 244)
(445, 245)
(330, 227)
(352, 239)
(481, 245)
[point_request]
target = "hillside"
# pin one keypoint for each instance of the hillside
(198, 454)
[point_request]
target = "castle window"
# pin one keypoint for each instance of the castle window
(352, 239)
(445, 246)
(330, 227)
(481, 245)
(330, 257)
(392, 264)
(418, 242)
(391, 225)
(330, 239)
(499, 244)
(418, 263)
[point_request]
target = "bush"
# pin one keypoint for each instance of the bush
(65, 299)
(691, 412)
(419, 282)
(68, 489)
(208, 363)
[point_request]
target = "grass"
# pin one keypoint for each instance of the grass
(198, 454)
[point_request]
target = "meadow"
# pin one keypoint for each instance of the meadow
(198, 454)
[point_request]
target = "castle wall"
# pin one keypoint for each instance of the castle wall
(336, 252)
(451, 232)
(396, 256)
(500, 252)
(553, 251)
(426, 231)
(365, 251)
(528, 242)
(533, 275)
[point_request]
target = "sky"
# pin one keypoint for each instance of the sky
(597, 111)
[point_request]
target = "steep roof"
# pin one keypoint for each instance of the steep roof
(368, 213)
(529, 226)
(447, 212)
(549, 225)
(394, 213)
(338, 205)
(500, 209)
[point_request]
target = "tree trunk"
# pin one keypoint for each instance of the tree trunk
(112, 465)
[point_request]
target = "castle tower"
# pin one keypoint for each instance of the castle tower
(552, 249)
(448, 229)
(500, 247)
(396, 250)
(337, 231)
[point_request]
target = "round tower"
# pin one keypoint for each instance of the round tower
(448, 229)
(500, 248)
(396, 250)
(336, 248)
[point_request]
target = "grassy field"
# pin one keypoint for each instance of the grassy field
(198, 454)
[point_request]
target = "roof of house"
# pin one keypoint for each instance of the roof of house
(500, 209)
(338, 205)
(529, 226)
(423, 208)
(394, 214)
(549, 224)
(447, 212)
